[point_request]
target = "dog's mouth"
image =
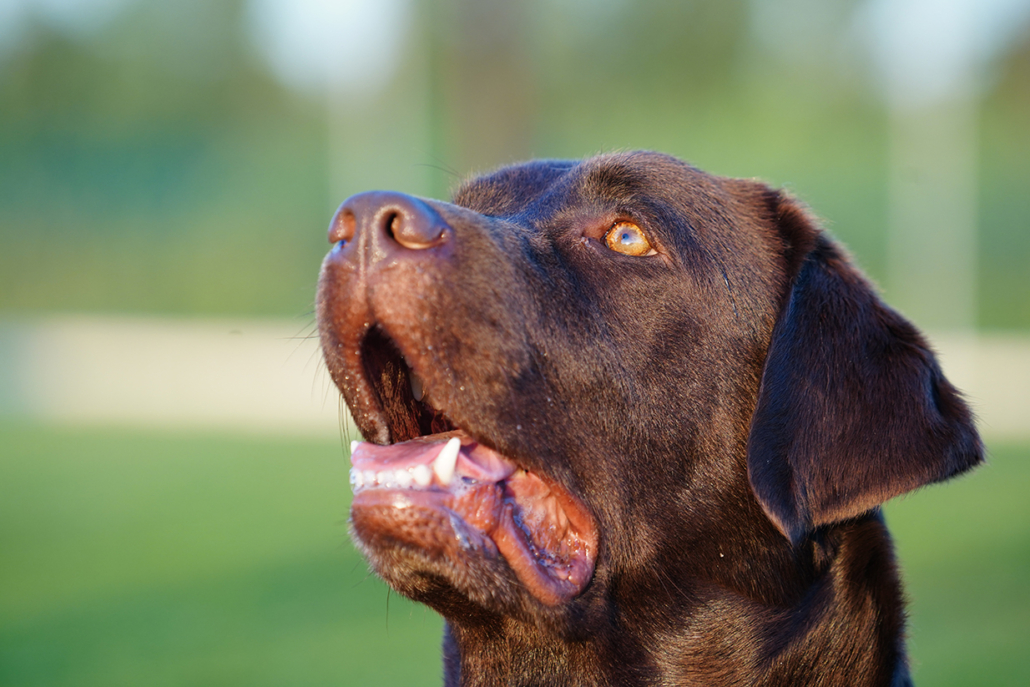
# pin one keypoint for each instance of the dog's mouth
(444, 492)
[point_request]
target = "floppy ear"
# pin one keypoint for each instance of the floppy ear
(852, 409)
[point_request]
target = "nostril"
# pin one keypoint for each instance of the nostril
(342, 227)
(384, 221)
(392, 222)
(416, 231)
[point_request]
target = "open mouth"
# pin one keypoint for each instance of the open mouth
(464, 497)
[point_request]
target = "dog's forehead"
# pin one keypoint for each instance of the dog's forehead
(510, 190)
(621, 178)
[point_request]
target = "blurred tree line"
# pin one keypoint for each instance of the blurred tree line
(155, 165)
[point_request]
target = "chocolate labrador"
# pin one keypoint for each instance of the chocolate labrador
(629, 423)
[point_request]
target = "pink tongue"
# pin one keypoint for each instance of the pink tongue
(474, 459)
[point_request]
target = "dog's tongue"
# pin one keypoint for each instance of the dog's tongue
(545, 534)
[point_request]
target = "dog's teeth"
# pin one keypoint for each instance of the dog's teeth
(353, 446)
(368, 477)
(444, 464)
(418, 389)
(402, 478)
(422, 475)
(385, 478)
(356, 479)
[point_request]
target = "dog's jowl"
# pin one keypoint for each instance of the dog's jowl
(628, 423)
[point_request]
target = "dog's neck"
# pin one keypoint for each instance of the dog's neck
(514, 655)
(856, 578)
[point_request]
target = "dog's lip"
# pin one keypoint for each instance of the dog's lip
(545, 534)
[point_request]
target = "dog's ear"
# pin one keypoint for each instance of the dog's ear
(853, 408)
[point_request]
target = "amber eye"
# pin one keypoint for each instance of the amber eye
(628, 239)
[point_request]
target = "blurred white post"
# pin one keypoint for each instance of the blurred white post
(367, 60)
(932, 244)
(928, 58)
(377, 95)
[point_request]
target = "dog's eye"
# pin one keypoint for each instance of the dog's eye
(628, 239)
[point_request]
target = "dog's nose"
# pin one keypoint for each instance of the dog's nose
(385, 220)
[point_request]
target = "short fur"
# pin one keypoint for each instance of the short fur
(732, 411)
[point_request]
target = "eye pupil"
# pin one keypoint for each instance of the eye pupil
(628, 239)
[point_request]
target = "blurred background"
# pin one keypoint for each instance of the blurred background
(173, 461)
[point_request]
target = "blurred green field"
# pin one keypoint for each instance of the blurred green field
(158, 166)
(146, 558)
(142, 557)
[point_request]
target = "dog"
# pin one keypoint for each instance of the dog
(629, 423)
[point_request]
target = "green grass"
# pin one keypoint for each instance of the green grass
(135, 558)
(965, 554)
(149, 558)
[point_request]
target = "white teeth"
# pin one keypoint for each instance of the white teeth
(353, 446)
(444, 464)
(418, 389)
(422, 475)
(390, 479)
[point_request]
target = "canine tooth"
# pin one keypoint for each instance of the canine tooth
(402, 478)
(422, 475)
(444, 464)
(418, 388)
(353, 445)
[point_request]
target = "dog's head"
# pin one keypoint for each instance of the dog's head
(581, 378)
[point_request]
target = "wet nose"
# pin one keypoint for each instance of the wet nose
(387, 221)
